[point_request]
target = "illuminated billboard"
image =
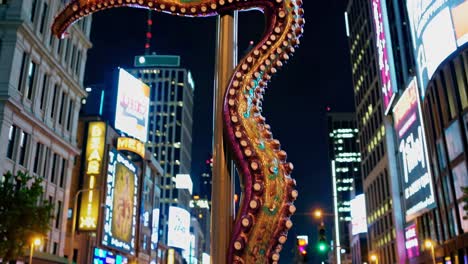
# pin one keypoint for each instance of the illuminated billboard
(384, 55)
(184, 181)
(121, 202)
(131, 144)
(438, 28)
(417, 182)
(89, 207)
(101, 256)
(131, 115)
(358, 215)
(179, 228)
(411, 241)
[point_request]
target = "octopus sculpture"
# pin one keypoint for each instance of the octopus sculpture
(263, 219)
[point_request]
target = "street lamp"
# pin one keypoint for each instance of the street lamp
(374, 258)
(35, 242)
(429, 244)
(75, 205)
(318, 214)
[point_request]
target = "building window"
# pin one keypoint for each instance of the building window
(22, 147)
(58, 215)
(78, 63)
(43, 18)
(31, 76)
(37, 157)
(55, 248)
(62, 107)
(33, 10)
(11, 141)
(44, 168)
(23, 66)
(67, 49)
(54, 97)
(43, 91)
(73, 56)
(54, 165)
(64, 171)
(70, 112)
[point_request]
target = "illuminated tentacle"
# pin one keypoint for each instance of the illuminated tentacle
(263, 219)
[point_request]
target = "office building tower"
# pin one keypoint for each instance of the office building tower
(345, 162)
(40, 96)
(207, 179)
(374, 87)
(170, 125)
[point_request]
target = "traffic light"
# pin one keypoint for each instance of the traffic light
(302, 243)
(322, 244)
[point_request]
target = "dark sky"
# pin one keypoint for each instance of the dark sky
(295, 102)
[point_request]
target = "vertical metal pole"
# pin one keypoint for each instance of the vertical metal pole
(31, 252)
(222, 215)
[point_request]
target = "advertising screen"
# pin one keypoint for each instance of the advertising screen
(417, 182)
(121, 202)
(453, 140)
(411, 241)
(131, 115)
(101, 256)
(95, 145)
(179, 228)
(384, 55)
(438, 28)
(358, 215)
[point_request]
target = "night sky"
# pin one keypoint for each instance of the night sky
(317, 76)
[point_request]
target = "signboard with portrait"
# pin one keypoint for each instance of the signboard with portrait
(121, 203)
(417, 181)
(438, 28)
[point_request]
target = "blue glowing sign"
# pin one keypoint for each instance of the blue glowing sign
(102, 256)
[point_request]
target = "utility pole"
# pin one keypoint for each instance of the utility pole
(222, 214)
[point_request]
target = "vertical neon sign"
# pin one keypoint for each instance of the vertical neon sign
(383, 56)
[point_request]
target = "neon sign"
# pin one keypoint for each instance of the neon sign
(131, 144)
(89, 210)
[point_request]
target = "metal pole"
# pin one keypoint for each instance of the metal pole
(75, 208)
(433, 255)
(222, 215)
(31, 252)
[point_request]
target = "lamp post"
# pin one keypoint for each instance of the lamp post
(75, 205)
(429, 244)
(35, 242)
(374, 258)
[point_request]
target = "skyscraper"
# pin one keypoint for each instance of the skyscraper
(374, 88)
(170, 125)
(40, 93)
(345, 164)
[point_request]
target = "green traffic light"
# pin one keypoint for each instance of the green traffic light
(322, 247)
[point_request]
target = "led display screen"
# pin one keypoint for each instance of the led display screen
(383, 52)
(132, 107)
(417, 182)
(179, 228)
(121, 202)
(438, 28)
(411, 241)
(101, 256)
(453, 140)
(95, 145)
(358, 215)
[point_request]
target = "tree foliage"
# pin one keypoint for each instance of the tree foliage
(23, 214)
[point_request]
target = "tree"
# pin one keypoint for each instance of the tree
(465, 199)
(23, 214)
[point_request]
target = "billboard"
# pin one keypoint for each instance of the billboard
(438, 28)
(101, 256)
(121, 203)
(131, 114)
(179, 228)
(384, 54)
(417, 182)
(358, 215)
(89, 207)
(184, 181)
(411, 241)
